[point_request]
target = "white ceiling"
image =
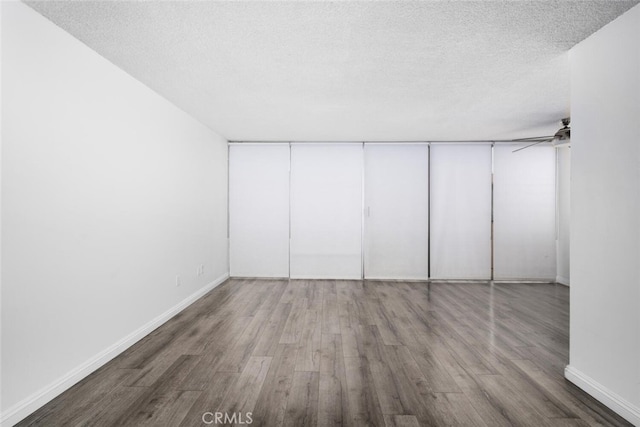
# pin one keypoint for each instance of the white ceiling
(431, 70)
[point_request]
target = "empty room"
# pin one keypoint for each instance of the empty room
(320, 213)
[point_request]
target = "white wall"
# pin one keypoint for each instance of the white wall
(108, 192)
(605, 215)
(563, 230)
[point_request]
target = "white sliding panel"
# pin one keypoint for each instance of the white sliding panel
(326, 211)
(524, 213)
(259, 210)
(397, 211)
(460, 211)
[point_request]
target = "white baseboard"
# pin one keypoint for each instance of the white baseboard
(563, 280)
(29, 405)
(620, 406)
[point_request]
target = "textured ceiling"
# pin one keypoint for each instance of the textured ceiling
(434, 70)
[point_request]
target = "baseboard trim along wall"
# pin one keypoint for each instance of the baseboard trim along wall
(32, 403)
(622, 407)
(562, 280)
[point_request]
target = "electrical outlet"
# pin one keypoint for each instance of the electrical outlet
(178, 283)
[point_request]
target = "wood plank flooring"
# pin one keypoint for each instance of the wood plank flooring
(345, 353)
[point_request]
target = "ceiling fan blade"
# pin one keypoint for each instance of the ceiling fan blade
(531, 145)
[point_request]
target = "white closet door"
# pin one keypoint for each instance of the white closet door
(259, 210)
(460, 211)
(524, 213)
(326, 211)
(397, 211)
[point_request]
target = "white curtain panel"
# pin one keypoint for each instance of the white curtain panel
(326, 211)
(460, 211)
(524, 213)
(563, 221)
(259, 210)
(396, 211)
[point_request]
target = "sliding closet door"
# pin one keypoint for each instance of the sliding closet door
(326, 211)
(397, 211)
(524, 212)
(259, 210)
(460, 211)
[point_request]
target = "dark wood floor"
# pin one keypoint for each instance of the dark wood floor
(332, 353)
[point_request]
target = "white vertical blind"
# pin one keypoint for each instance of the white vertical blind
(460, 211)
(259, 210)
(563, 212)
(524, 212)
(323, 211)
(397, 211)
(326, 210)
